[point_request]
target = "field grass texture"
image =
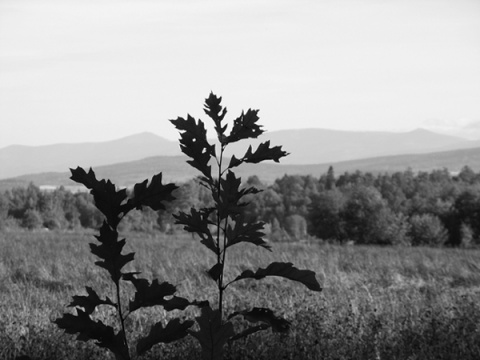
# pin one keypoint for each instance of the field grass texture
(377, 303)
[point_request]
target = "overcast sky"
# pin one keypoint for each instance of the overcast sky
(77, 70)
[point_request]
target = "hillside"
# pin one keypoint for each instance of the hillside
(176, 169)
(18, 160)
(317, 146)
(306, 146)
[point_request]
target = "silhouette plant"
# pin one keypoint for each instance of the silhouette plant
(115, 204)
(222, 226)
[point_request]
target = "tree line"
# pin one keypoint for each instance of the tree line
(401, 208)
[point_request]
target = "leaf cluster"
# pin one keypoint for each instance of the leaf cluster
(115, 204)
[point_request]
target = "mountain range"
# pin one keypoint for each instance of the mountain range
(18, 160)
(134, 158)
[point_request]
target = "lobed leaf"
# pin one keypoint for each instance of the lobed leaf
(90, 302)
(173, 331)
(212, 335)
(285, 270)
(216, 112)
(234, 162)
(264, 152)
(228, 199)
(197, 222)
(152, 195)
(88, 329)
(194, 144)
(246, 232)
(245, 127)
(266, 316)
(110, 251)
(152, 294)
(107, 199)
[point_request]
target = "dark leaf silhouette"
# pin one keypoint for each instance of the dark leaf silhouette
(155, 293)
(152, 195)
(173, 331)
(87, 329)
(234, 162)
(264, 152)
(213, 335)
(110, 251)
(198, 222)
(150, 294)
(107, 199)
(229, 199)
(90, 302)
(216, 112)
(216, 271)
(250, 232)
(285, 270)
(245, 127)
(194, 143)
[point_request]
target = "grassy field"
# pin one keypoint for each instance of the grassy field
(377, 303)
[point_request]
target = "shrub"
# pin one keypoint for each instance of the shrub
(427, 230)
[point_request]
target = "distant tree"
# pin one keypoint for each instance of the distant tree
(355, 179)
(467, 210)
(296, 226)
(367, 217)
(405, 181)
(271, 205)
(330, 179)
(4, 207)
(23, 199)
(325, 220)
(466, 236)
(50, 205)
(256, 203)
(296, 193)
(392, 193)
(291, 188)
(90, 216)
(467, 175)
(427, 230)
(277, 232)
(32, 219)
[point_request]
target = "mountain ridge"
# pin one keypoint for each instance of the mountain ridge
(175, 169)
(306, 146)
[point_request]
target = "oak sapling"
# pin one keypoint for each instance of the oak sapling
(223, 225)
(115, 204)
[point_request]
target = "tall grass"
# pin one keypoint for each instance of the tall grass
(377, 303)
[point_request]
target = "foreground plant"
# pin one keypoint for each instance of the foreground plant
(115, 205)
(222, 226)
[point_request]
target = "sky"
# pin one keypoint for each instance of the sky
(97, 70)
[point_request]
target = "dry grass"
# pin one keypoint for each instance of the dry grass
(377, 303)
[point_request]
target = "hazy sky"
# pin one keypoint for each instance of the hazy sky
(77, 70)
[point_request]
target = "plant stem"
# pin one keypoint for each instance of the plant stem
(219, 254)
(122, 320)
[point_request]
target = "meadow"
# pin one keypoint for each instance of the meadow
(376, 303)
